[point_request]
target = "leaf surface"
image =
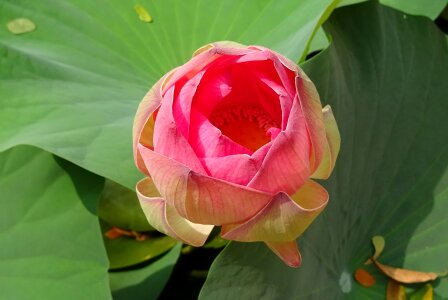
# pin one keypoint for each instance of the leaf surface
(50, 238)
(72, 86)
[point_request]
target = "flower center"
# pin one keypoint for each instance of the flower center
(245, 125)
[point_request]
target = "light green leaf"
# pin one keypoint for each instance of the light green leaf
(319, 41)
(385, 78)
(144, 283)
(51, 245)
(73, 86)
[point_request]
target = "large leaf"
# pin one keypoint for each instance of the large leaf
(72, 86)
(385, 77)
(51, 245)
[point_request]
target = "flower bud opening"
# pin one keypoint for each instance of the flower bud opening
(246, 125)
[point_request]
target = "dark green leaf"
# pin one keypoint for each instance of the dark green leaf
(144, 283)
(385, 77)
(430, 9)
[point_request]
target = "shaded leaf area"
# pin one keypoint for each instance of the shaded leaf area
(125, 251)
(146, 282)
(385, 78)
(119, 206)
(189, 273)
(50, 240)
(72, 86)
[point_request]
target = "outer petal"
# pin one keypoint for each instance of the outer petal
(286, 166)
(312, 110)
(202, 199)
(221, 44)
(165, 219)
(283, 219)
(287, 251)
(331, 149)
(143, 129)
(231, 48)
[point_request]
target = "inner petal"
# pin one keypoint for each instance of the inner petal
(246, 125)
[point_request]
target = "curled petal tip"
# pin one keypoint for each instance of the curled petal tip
(287, 252)
(332, 145)
(327, 109)
(202, 49)
(283, 219)
(165, 218)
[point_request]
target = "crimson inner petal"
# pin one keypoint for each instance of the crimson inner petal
(237, 102)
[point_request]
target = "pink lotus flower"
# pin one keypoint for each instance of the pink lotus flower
(231, 139)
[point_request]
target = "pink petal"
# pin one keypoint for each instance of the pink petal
(331, 149)
(239, 168)
(286, 75)
(286, 166)
(202, 199)
(287, 252)
(183, 100)
(227, 82)
(284, 99)
(283, 219)
(169, 141)
(204, 56)
(165, 219)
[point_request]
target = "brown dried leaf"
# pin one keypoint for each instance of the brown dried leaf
(405, 275)
(116, 232)
(364, 278)
(113, 233)
(395, 291)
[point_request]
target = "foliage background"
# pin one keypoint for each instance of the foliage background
(68, 94)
